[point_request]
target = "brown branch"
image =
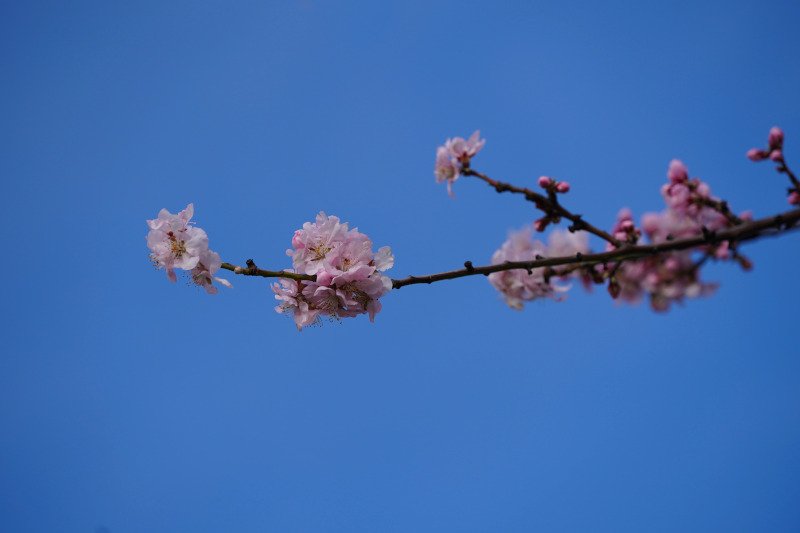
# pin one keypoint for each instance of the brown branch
(748, 231)
(721, 207)
(252, 271)
(783, 167)
(548, 204)
(744, 232)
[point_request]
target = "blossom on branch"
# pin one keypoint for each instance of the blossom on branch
(348, 273)
(454, 156)
(203, 273)
(519, 285)
(175, 243)
(670, 277)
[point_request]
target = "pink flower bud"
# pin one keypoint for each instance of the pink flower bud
(545, 182)
(540, 224)
(626, 225)
(747, 216)
(794, 198)
(562, 187)
(776, 156)
(754, 154)
(775, 138)
(677, 171)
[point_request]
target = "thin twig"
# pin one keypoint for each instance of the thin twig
(550, 206)
(245, 271)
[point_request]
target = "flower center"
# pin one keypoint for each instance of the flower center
(319, 251)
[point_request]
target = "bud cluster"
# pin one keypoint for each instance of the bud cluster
(691, 212)
(775, 153)
(774, 150)
(552, 187)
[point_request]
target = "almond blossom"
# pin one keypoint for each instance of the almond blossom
(671, 277)
(348, 273)
(519, 285)
(175, 243)
(203, 273)
(454, 156)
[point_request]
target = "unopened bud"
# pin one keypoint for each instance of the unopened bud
(794, 198)
(545, 182)
(776, 156)
(562, 187)
(540, 224)
(754, 154)
(677, 171)
(775, 138)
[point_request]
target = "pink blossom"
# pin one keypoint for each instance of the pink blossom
(447, 168)
(669, 278)
(563, 243)
(289, 292)
(454, 156)
(313, 243)
(464, 150)
(348, 279)
(174, 243)
(665, 279)
(203, 273)
(794, 198)
(519, 285)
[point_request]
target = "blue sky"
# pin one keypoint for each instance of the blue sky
(129, 404)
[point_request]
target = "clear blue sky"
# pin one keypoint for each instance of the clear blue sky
(129, 404)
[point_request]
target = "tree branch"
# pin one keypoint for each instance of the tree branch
(745, 232)
(549, 205)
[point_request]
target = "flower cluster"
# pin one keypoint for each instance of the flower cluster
(518, 286)
(175, 243)
(666, 278)
(348, 273)
(454, 156)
